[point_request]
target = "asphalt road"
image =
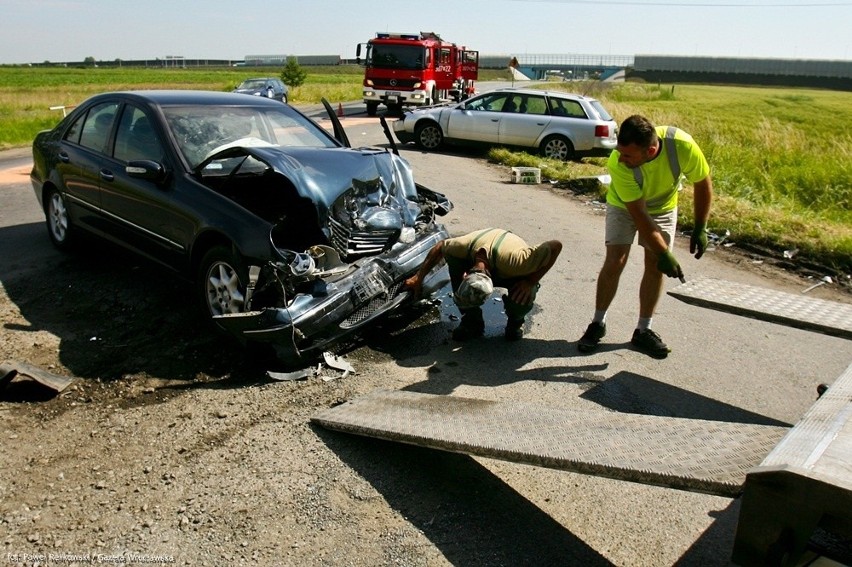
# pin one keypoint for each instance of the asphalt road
(723, 367)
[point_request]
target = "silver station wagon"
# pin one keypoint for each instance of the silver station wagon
(558, 125)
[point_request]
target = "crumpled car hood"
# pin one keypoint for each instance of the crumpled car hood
(324, 175)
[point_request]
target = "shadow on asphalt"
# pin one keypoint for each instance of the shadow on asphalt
(467, 512)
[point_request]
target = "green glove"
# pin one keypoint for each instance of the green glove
(667, 264)
(698, 240)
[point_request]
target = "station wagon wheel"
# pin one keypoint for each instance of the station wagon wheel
(428, 135)
(557, 147)
(59, 226)
(284, 98)
(221, 282)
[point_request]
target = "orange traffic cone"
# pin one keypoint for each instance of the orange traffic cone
(339, 110)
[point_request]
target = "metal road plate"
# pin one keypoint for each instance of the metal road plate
(800, 311)
(689, 454)
(822, 440)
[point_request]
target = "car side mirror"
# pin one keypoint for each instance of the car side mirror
(147, 169)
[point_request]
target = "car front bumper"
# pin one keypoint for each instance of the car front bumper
(312, 322)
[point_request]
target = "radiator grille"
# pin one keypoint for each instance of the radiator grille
(400, 84)
(353, 244)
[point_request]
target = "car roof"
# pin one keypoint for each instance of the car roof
(562, 94)
(177, 97)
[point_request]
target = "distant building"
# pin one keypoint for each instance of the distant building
(820, 73)
(276, 60)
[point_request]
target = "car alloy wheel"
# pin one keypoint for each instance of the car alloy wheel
(557, 147)
(58, 223)
(222, 287)
(429, 136)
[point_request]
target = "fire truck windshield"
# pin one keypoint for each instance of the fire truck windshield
(396, 57)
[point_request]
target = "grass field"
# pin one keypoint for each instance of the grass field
(781, 159)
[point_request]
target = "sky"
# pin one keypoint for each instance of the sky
(34, 31)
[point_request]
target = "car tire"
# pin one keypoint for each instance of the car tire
(372, 107)
(221, 282)
(59, 226)
(428, 135)
(284, 98)
(557, 147)
(270, 93)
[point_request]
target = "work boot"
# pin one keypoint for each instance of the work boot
(650, 343)
(514, 329)
(593, 335)
(472, 325)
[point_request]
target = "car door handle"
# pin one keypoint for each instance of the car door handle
(64, 157)
(106, 175)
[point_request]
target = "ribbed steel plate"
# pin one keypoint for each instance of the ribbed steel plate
(822, 440)
(800, 311)
(689, 454)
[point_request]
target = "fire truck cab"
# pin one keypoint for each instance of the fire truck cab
(416, 70)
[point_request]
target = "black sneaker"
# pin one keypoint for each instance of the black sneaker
(593, 335)
(514, 330)
(650, 343)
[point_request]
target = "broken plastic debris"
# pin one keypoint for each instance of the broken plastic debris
(331, 360)
(9, 369)
(790, 253)
(718, 240)
(824, 280)
(302, 374)
(338, 363)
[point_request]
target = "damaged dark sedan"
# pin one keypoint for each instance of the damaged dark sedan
(291, 238)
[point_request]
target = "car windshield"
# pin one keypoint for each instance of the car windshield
(253, 84)
(201, 131)
(396, 56)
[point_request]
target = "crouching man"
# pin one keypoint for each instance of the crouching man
(482, 260)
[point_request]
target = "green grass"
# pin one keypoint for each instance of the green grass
(781, 158)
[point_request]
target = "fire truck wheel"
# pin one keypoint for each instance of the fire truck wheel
(435, 99)
(371, 108)
(557, 147)
(428, 135)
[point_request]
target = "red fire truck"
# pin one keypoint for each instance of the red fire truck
(416, 70)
